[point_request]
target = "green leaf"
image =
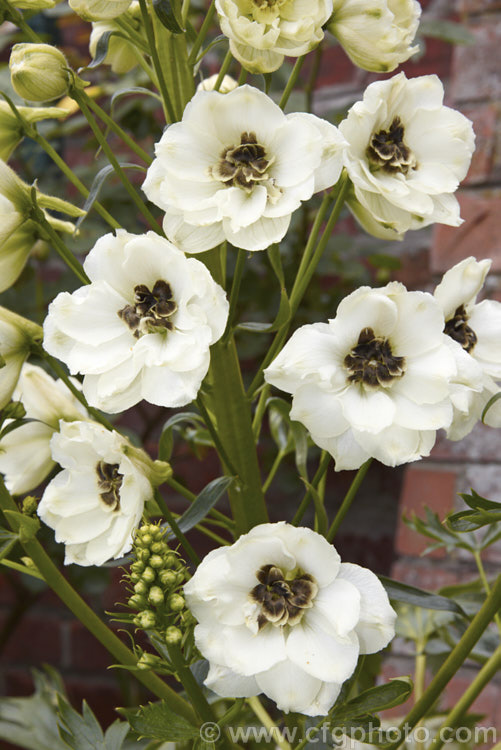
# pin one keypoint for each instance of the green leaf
(477, 502)
(101, 49)
(447, 31)
(33, 572)
(488, 405)
(97, 184)
(27, 526)
(159, 722)
(115, 735)
(132, 90)
(418, 624)
(470, 520)
(167, 15)
(14, 425)
(283, 315)
(14, 410)
(7, 541)
(204, 502)
(401, 592)
(273, 253)
(80, 732)
(378, 698)
(166, 441)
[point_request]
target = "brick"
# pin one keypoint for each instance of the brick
(428, 574)
(36, 640)
(479, 235)
(476, 66)
(472, 7)
(486, 124)
(85, 652)
(483, 444)
(430, 487)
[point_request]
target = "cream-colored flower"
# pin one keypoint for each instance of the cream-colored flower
(99, 10)
(96, 502)
(375, 380)
(376, 35)
(227, 84)
(261, 32)
(474, 330)
(406, 156)
(25, 456)
(236, 167)
(143, 327)
(278, 613)
(122, 55)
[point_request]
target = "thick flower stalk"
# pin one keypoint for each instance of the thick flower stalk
(375, 380)
(96, 502)
(142, 328)
(406, 156)
(280, 614)
(474, 330)
(25, 454)
(378, 35)
(236, 167)
(261, 32)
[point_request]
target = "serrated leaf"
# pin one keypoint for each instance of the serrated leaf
(27, 526)
(447, 31)
(401, 592)
(157, 721)
(97, 184)
(471, 520)
(477, 502)
(166, 13)
(204, 502)
(7, 541)
(80, 732)
(115, 735)
(378, 698)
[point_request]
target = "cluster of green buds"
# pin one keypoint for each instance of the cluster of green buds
(156, 578)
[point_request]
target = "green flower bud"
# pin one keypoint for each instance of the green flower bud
(156, 561)
(137, 567)
(158, 548)
(147, 619)
(173, 636)
(17, 335)
(167, 578)
(156, 596)
(145, 540)
(30, 505)
(141, 588)
(39, 72)
(149, 575)
(171, 560)
(137, 602)
(143, 554)
(176, 602)
(135, 577)
(146, 661)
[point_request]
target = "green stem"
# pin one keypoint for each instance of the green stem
(68, 257)
(91, 621)
(235, 289)
(114, 163)
(127, 27)
(150, 35)
(65, 169)
(349, 497)
(185, 9)
(260, 410)
(269, 723)
(227, 402)
(184, 69)
(485, 582)
(100, 112)
(18, 19)
(224, 69)
(176, 530)
(322, 468)
(223, 454)
(453, 662)
(202, 33)
(269, 479)
(184, 491)
(310, 86)
(292, 81)
(482, 679)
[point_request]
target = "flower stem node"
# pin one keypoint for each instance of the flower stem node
(39, 72)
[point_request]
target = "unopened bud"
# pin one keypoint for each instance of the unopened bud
(173, 636)
(148, 575)
(167, 578)
(176, 602)
(156, 596)
(30, 505)
(147, 619)
(156, 561)
(137, 602)
(39, 72)
(141, 588)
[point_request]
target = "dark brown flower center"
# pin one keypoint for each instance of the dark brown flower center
(109, 482)
(243, 165)
(372, 362)
(459, 330)
(283, 600)
(388, 151)
(151, 311)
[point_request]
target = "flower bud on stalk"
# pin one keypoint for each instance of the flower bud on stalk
(17, 336)
(13, 125)
(39, 72)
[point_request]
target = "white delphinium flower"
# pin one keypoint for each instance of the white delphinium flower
(96, 502)
(227, 84)
(17, 335)
(375, 380)
(378, 35)
(236, 167)
(25, 456)
(121, 54)
(97, 10)
(280, 614)
(407, 155)
(475, 331)
(261, 32)
(142, 328)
